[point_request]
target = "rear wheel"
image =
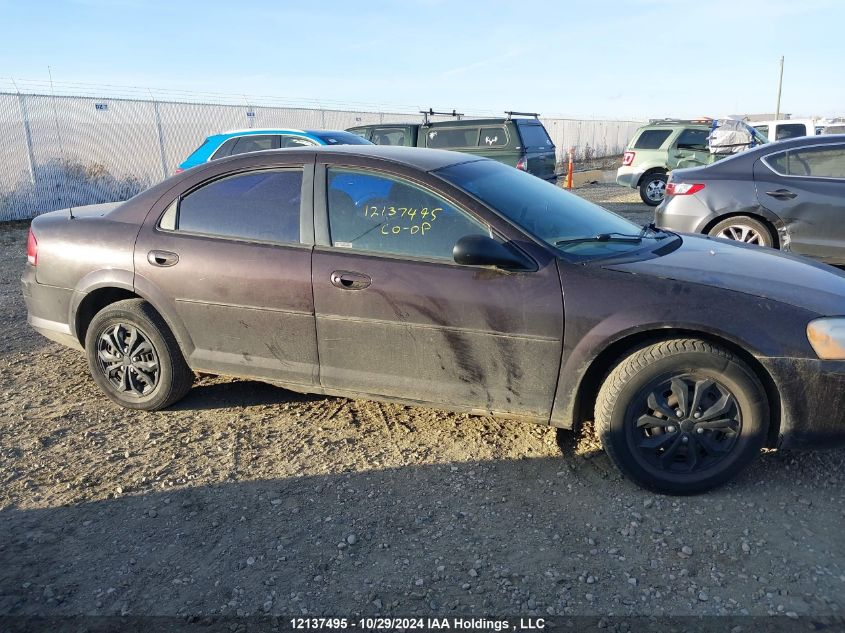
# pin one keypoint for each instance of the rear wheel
(653, 188)
(743, 228)
(134, 357)
(682, 416)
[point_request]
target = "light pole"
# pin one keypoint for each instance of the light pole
(780, 85)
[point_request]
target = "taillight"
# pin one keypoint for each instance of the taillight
(522, 164)
(179, 170)
(31, 248)
(628, 158)
(683, 188)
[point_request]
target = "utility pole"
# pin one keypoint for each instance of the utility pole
(780, 85)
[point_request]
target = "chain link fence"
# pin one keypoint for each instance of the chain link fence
(62, 151)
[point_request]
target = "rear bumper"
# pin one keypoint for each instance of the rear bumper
(685, 214)
(629, 176)
(47, 308)
(812, 401)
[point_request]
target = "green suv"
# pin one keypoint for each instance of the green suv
(657, 149)
(518, 141)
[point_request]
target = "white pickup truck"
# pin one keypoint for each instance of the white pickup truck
(788, 128)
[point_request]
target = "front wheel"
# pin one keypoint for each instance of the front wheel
(134, 357)
(682, 416)
(653, 188)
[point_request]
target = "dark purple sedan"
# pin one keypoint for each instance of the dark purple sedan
(437, 278)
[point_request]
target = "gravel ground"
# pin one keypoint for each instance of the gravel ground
(247, 499)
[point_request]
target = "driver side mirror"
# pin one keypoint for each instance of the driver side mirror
(482, 250)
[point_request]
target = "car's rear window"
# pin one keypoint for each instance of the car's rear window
(651, 139)
(534, 136)
(340, 138)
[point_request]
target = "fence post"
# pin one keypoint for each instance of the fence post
(28, 134)
(165, 172)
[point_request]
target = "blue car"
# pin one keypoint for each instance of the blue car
(255, 140)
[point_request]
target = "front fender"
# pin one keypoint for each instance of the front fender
(608, 313)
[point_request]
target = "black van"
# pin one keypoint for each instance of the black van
(520, 140)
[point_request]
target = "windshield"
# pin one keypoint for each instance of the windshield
(570, 224)
(340, 138)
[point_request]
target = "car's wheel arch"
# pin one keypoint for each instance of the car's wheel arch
(650, 172)
(110, 287)
(773, 223)
(582, 396)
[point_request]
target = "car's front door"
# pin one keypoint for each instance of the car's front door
(397, 317)
(805, 187)
(230, 262)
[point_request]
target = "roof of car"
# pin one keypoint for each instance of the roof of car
(818, 139)
(275, 130)
(261, 130)
(416, 157)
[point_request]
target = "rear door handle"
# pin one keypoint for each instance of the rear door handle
(782, 194)
(162, 259)
(346, 280)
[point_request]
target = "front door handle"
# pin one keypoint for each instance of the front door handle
(346, 280)
(782, 194)
(162, 259)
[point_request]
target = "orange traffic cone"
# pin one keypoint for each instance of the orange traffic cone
(569, 171)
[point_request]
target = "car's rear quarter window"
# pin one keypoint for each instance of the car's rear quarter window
(651, 139)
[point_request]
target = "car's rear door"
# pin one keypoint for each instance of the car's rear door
(227, 259)
(397, 317)
(689, 149)
(805, 187)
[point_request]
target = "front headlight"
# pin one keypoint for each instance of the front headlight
(827, 336)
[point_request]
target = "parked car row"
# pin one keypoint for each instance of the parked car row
(661, 146)
(519, 140)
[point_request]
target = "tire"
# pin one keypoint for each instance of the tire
(743, 228)
(653, 188)
(155, 375)
(641, 392)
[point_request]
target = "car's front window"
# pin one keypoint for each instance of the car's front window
(570, 224)
(382, 214)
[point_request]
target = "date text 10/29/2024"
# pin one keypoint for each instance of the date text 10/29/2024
(420, 624)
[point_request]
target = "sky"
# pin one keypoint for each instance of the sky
(603, 59)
